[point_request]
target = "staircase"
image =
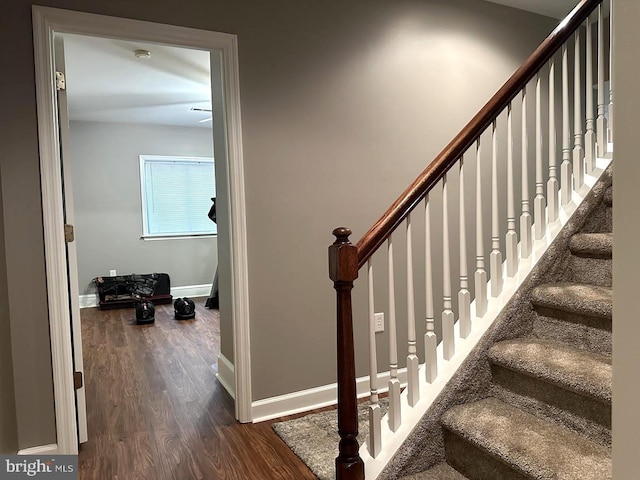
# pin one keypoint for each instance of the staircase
(498, 333)
(545, 407)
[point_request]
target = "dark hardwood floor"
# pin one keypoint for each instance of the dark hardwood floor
(156, 411)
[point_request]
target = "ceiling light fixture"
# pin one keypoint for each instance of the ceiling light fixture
(144, 54)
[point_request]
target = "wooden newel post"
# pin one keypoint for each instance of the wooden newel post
(343, 270)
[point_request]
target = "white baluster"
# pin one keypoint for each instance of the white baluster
(525, 216)
(374, 443)
(553, 187)
(511, 238)
(601, 122)
(480, 274)
(413, 389)
(611, 70)
(464, 296)
(448, 319)
(578, 150)
(430, 339)
(590, 134)
(565, 168)
(394, 383)
(539, 203)
(496, 254)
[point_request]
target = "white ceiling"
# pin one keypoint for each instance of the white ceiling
(550, 8)
(106, 82)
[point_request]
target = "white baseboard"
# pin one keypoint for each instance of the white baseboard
(305, 400)
(226, 375)
(192, 290)
(91, 300)
(51, 449)
(88, 301)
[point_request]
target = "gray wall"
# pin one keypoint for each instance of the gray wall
(8, 431)
(24, 246)
(626, 225)
(343, 103)
(342, 129)
(107, 203)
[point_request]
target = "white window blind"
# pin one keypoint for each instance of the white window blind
(176, 195)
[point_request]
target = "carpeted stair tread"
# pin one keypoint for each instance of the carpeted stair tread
(608, 196)
(442, 471)
(577, 298)
(577, 370)
(529, 445)
(597, 245)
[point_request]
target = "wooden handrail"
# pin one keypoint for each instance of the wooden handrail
(399, 210)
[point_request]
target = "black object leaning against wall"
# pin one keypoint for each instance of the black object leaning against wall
(124, 291)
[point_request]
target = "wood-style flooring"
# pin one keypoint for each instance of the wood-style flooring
(155, 410)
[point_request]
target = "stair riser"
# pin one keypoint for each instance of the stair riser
(601, 221)
(593, 431)
(592, 409)
(589, 333)
(594, 271)
(442, 471)
(608, 196)
(591, 321)
(474, 463)
(609, 219)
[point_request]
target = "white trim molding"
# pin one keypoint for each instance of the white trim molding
(312, 398)
(237, 233)
(226, 375)
(51, 449)
(46, 22)
(89, 300)
(192, 291)
(55, 250)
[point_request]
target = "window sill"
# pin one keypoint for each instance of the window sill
(176, 237)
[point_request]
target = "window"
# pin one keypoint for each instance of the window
(176, 196)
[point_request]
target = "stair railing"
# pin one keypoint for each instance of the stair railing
(577, 155)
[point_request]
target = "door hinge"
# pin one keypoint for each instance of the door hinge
(60, 82)
(77, 380)
(69, 235)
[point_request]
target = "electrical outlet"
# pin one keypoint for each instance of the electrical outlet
(379, 320)
(112, 273)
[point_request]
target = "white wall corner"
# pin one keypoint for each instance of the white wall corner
(226, 375)
(318, 397)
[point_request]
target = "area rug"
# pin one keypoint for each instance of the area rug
(314, 438)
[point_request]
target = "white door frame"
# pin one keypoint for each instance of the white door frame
(47, 21)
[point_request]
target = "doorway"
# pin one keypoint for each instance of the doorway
(229, 171)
